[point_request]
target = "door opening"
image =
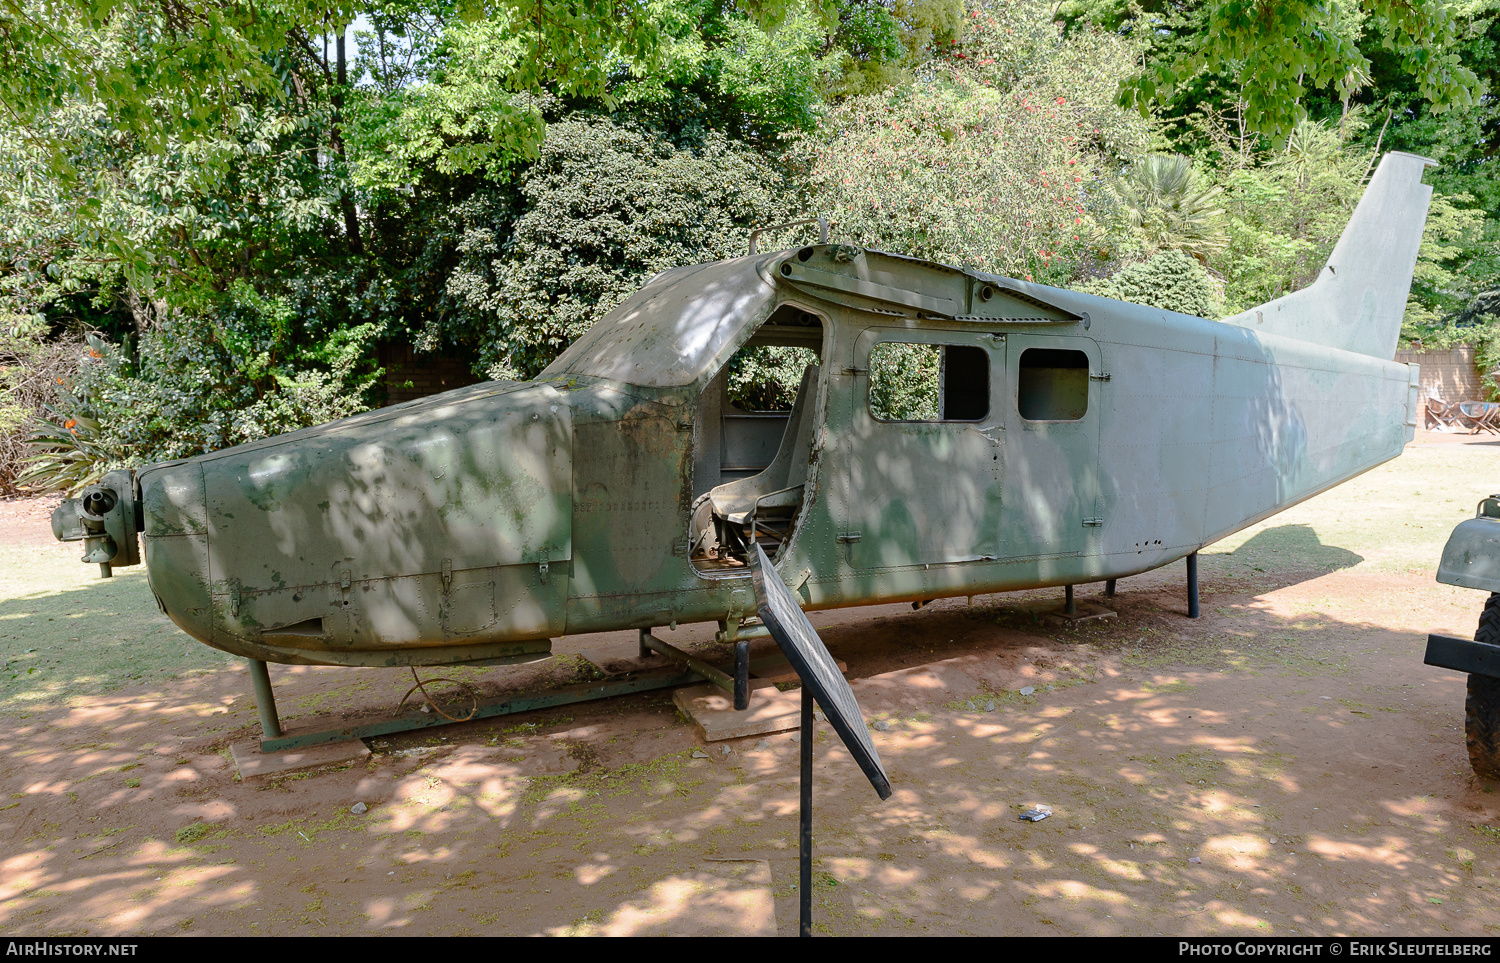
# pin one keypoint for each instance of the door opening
(753, 442)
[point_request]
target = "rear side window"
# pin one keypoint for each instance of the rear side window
(929, 382)
(1053, 385)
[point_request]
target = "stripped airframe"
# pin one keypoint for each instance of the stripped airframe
(1072, 439)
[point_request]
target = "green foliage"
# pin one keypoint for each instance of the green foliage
(160, 69)
(67, 451)
(37, 371)
(1448, 306)
(1443, 283)
(985, 157)
(1285, 210)
(904, 381)
(1169, 279)
(169, 70)
(1160, 203)
(878, 44)
(481, 108)
(1466, 179)
(1285, 213)
(1277, 51)
(766, 378)
(605, 207)
(206, 381)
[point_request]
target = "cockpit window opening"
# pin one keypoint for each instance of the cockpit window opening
(766, 373)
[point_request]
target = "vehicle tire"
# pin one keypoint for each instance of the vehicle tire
(1482, 707)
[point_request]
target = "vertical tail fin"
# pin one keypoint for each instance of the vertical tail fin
(1359, 299)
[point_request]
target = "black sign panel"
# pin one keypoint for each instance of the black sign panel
(820, 674)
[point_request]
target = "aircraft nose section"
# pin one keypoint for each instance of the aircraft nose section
(424, 534)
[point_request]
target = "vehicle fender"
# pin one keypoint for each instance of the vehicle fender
(1471, 559)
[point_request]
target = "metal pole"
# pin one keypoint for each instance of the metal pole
(804, 843)
(1192, 586)
(1069, 608)
(1109, 589)
(265, 699)
(742, 674)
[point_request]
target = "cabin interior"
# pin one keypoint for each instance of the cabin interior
(751, 462)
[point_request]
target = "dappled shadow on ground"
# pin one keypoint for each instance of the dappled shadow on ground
(1283, 765)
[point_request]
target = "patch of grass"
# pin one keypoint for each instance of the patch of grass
(1195, 765)
(193, 832)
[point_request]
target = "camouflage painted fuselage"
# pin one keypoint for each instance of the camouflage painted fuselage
(479, 524)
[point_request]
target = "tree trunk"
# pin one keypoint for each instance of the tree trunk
(346, 202)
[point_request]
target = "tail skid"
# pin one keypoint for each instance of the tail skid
(1359, 298)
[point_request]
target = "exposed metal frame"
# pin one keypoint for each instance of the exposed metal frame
(686, 670)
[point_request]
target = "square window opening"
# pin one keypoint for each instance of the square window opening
(1053, 384)
(929, 382)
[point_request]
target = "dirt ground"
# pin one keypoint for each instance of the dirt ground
(1284, 765)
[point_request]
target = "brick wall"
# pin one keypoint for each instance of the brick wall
(412, 374)
(1451, 375)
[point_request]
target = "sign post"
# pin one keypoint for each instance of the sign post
(821, 682)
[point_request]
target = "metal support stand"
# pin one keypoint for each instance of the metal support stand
(1069, 606)
(1109, 589)
(644, 649)
(1192, 585)
(648, 680)
(804, 841)
(742, 674)
(265, 699)
(737, 684)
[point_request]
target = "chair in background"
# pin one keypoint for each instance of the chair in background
(1480, 415)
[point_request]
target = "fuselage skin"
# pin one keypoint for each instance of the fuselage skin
(479, 524)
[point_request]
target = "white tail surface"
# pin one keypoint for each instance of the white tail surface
(1359, 299)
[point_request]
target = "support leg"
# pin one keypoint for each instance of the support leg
(1109, 589)
(1192, 585)
(742, 674)
(644, 649)
(1069, 607)
(804, 838)
(265, 699)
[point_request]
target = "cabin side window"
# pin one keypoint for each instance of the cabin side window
(1053, 385)
(929, 382)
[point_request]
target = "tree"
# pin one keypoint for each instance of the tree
(604, 207)
(1160, 203)
(196, 59)
(983, 158)
(1275, 53)
(1285, 211)
(1170, 279)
